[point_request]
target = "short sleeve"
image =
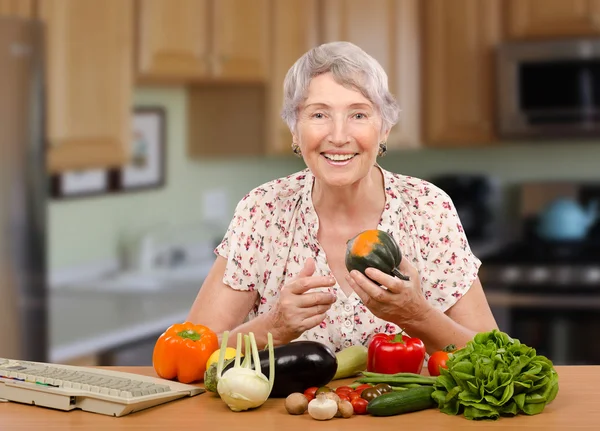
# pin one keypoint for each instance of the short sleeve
(450, 265)
(242, 244)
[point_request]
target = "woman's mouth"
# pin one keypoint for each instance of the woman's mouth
(338, 159)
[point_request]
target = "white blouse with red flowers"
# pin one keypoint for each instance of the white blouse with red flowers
(274, 229)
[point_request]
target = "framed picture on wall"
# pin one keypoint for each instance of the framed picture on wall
(146, 169)
(84, 183)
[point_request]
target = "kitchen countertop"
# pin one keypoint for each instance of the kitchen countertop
(86, 320)
(575, 407)
(84, 325)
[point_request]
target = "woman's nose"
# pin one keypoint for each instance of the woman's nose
(339, 131)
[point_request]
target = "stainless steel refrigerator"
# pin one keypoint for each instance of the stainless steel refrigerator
(23, 190)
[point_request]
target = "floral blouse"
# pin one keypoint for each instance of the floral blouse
(274, 229)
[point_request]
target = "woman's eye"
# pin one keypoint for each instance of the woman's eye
(318, 115)
(360, 116)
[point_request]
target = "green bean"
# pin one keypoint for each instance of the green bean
(412, 385)
(372, 374)
(397, 381)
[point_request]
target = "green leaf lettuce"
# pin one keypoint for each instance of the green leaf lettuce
(495, 375)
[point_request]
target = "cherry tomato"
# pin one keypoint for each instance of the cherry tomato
(437, 360)
(360, 406)
(353, 395)
(311, 392)
(383, 388)
(370, 393)
(363, 386)
(343, 390)
(344, 397)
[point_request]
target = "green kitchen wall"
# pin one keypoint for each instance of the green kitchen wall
(92, 229)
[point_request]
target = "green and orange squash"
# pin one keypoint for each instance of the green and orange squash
(374, 248)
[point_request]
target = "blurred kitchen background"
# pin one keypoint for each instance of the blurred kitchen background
(136, 126)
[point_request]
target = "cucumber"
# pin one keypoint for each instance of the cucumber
(351, 361)
(396, 403)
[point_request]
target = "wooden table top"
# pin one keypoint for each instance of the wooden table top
(575, 407)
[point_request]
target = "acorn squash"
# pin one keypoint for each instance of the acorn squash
(376, 249)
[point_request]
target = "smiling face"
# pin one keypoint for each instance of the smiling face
(339, 131)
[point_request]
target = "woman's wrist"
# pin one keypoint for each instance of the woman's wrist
(417, 317)
(260, 326)
(437, 330)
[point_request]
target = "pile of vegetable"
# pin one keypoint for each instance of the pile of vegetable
(494, 375)
(397, 393)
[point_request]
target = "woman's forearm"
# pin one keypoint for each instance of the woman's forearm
(259, 326)
(437, 330)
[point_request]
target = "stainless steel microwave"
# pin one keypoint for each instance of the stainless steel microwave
(548, 89)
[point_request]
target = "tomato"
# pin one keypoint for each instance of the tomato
(370, 393)
(437, 360)
(360, 406)
(344, 397)
(310, 393)
(343, 390)
(383, 388)
(363, 386)
(353, 395)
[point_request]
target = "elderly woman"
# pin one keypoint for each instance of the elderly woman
(280, 267)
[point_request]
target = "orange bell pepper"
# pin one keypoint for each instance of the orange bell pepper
(182, 352)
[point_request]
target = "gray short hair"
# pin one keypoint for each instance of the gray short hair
(350, 66)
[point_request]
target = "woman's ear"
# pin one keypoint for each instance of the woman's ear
(385, 135)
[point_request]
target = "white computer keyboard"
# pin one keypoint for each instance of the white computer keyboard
(97, 390)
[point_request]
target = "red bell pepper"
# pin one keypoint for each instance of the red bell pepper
(395, 353)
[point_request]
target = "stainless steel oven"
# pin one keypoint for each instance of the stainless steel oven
(549, 88)
(548, 296)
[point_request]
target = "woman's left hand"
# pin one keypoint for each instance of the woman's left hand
(402, 302)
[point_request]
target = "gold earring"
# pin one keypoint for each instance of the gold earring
(382, 149)
(296, 149)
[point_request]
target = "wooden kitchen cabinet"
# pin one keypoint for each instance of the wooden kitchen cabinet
(530, 19)
(389, 31)
(88, 82)
(172, 39)
(459, 41)
(241, 40)
(295, 31)
(19, 8)
(202, 40)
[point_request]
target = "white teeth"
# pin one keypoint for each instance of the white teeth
(339, 157)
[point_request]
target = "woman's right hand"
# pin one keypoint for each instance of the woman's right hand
(297, 309)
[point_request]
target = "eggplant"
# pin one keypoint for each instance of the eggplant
(299, 365)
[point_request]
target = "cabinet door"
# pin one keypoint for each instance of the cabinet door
(388, 30)
(528, 19)
(20, 8)
(89, 82)
(294, 26)
(172, 40)
(240, 32)
(459, 41)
